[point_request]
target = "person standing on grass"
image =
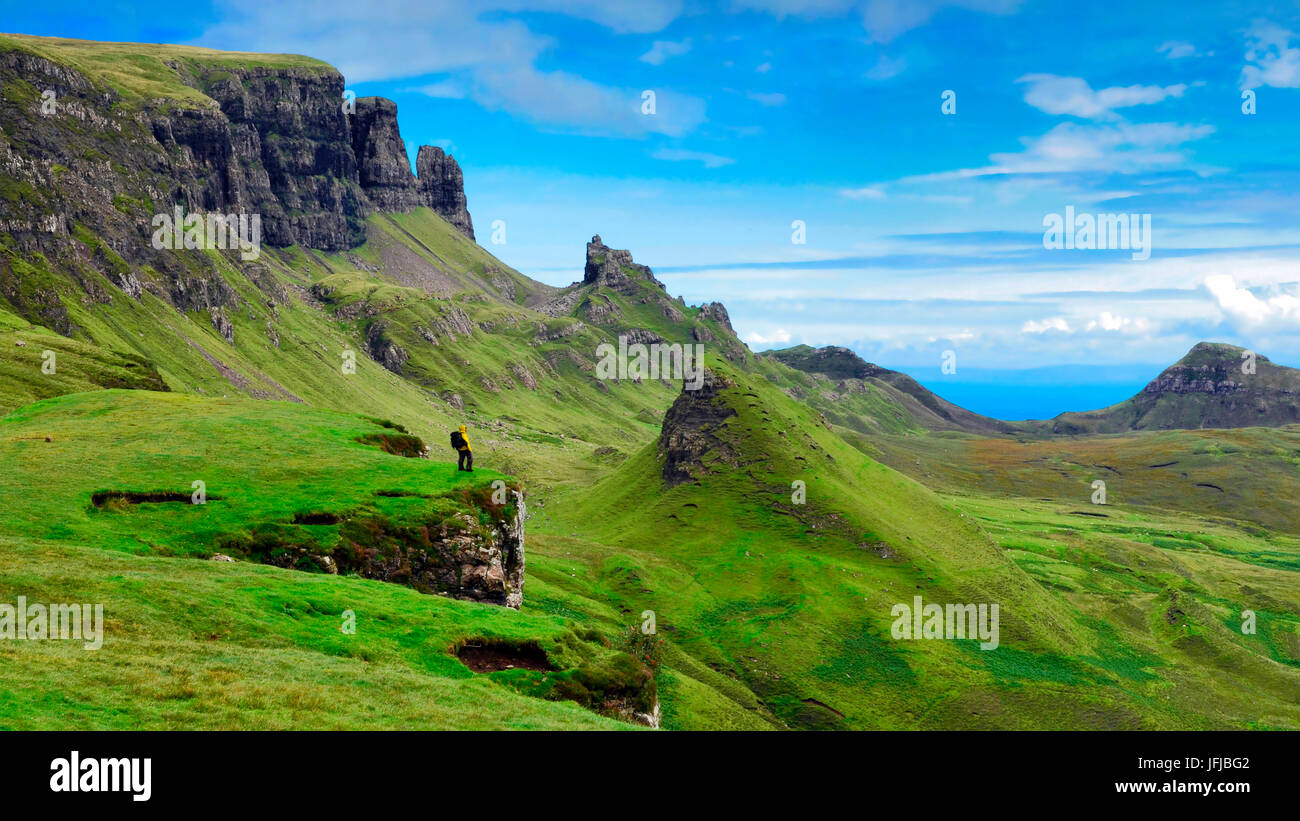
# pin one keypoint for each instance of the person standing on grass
(460, 441)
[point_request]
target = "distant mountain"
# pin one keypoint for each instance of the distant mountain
(1207, 388)
(1210, 387)
(866, 397)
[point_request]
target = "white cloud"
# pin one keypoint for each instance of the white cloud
(1270, 58)
(870, 192)
(778, 337)
(1107, 321)
(1073, 95)
(444, 89)
(764, 68)
(1074, 147)
(1104, 321)
(663, 50)
(489, 59)
(769, 100)
(682, 155)
(1056, 323)
(1245, 308)
(1176, 49)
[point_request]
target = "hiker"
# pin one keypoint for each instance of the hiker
(460, 442)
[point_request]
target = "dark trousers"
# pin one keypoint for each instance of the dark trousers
(466, 460)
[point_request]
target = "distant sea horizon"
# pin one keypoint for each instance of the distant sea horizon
(1036, 393)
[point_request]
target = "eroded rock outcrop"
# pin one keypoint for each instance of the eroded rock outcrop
(717, 312)
(456, 555)
(385, 174)
(383, 167)
(613, 268)
(459, 557)
(691, 431)
(442, 188)
(384, 350)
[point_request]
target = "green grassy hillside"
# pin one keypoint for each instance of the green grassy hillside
(1245, 475)
(867, 398)
(767, 524)
(196, 643)
(791, 604)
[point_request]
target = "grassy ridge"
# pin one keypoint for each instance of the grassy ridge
(140, 72)
(792, 605)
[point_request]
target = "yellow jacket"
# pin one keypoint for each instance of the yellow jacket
(465, 436)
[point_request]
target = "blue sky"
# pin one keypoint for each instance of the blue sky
(924, 230)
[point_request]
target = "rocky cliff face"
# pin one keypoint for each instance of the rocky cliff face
(442, 187)
(277, 144)
(456, 556)
(458, 559)
(831, 361)
(691, 428)
(613, 268)
(271, 140)
(1207, 369)
(718, 313)
(384, 169)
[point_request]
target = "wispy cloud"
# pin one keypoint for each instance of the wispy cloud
(663, 50)
(885, 20)
(1176, 49)
(682, 155)
(489, 60)
(870, 192)
(1038, 326)
(444, 89)
(1073, 147)
(1072, 95)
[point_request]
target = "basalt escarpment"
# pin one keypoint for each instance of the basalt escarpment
(384, 168)
(442, 187)
(84, 172)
